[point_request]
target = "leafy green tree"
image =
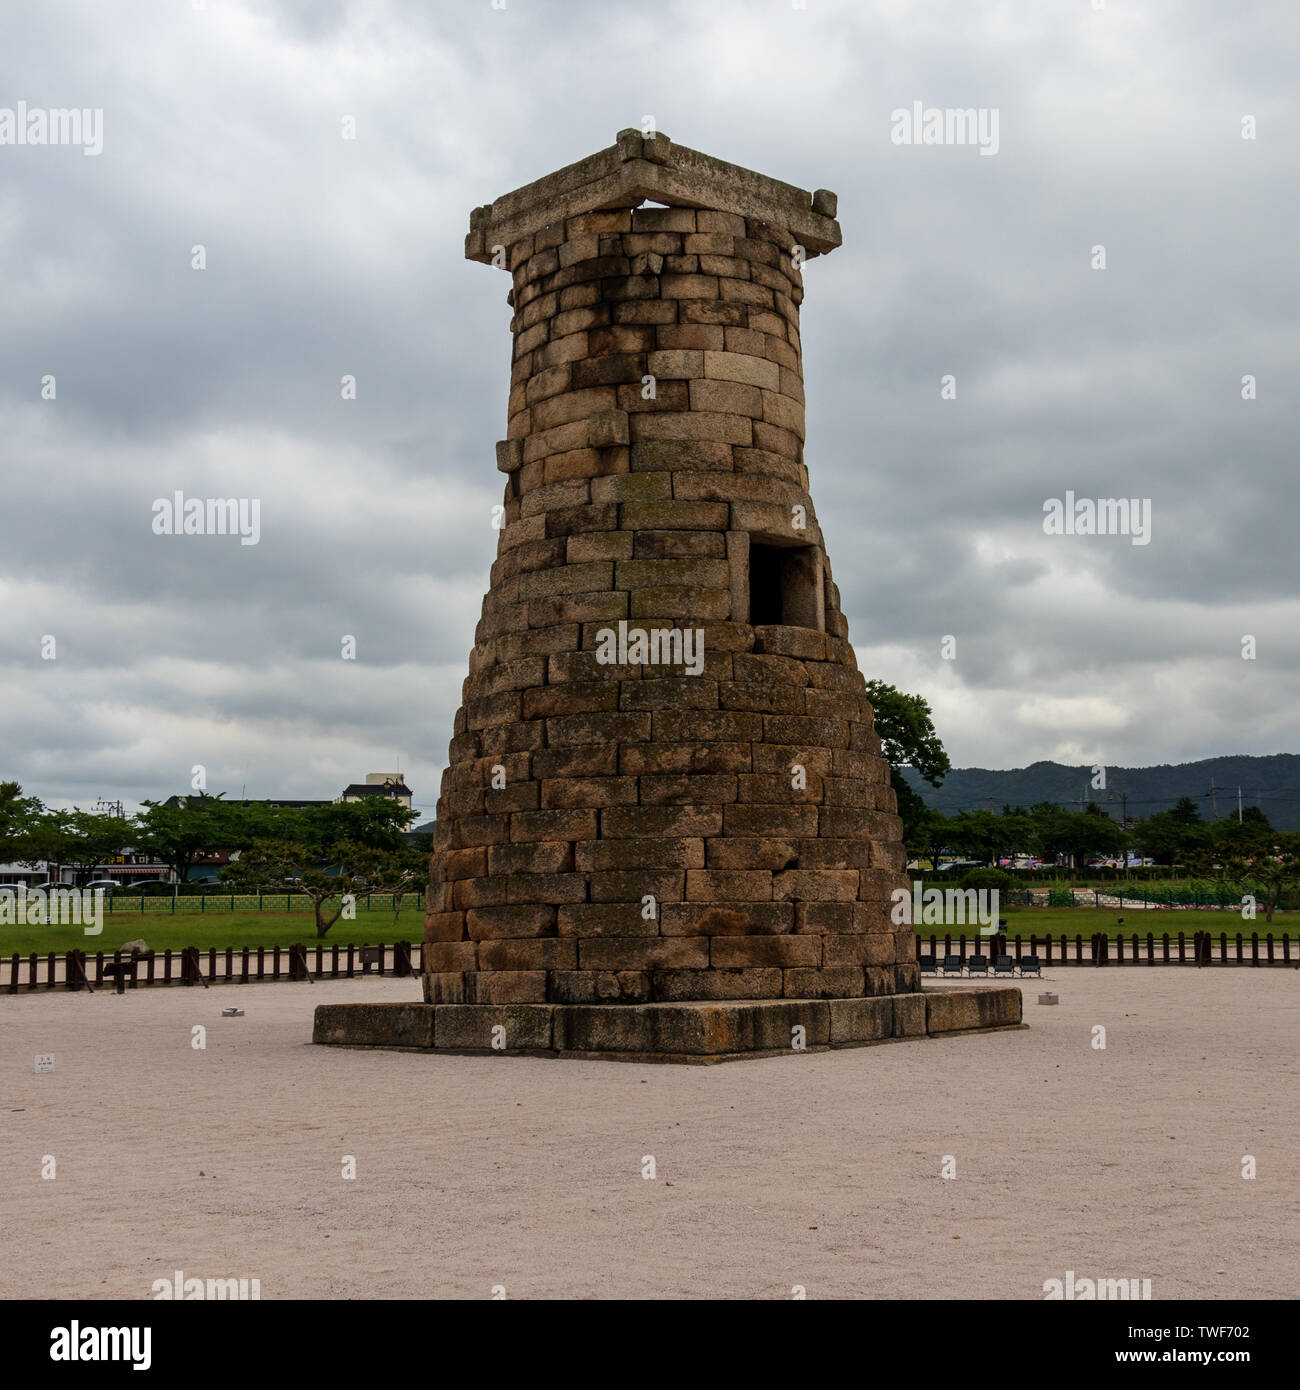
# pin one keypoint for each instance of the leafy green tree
(1092, 834)
(1244, 839)
(926, 836)
(1265, 867)
(1186, 811)
(82, 840)
(27, 832)
(196, 828)
(352, 870)
(1278, 871)
(1171, 839)
(908, 739)
(378, 822)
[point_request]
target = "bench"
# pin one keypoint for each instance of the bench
(120, 968)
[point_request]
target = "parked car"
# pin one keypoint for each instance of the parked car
(106, 883)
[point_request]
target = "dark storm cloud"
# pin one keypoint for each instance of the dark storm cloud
(329, 257)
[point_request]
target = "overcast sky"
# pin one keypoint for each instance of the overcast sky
(223, 128)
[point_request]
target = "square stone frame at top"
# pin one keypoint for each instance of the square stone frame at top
(637, 169)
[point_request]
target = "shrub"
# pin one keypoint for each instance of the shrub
(988, 879)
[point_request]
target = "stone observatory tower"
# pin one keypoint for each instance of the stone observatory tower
(663, 786)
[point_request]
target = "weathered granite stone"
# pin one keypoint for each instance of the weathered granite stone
(664, 786)
(374, 1025)
(610, 1017)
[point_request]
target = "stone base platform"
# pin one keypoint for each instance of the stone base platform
(695, 1031)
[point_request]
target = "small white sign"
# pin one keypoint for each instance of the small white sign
(45, 1061)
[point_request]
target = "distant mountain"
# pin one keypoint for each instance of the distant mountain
(1272, 783)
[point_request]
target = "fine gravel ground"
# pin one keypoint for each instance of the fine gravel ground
(817, 1170)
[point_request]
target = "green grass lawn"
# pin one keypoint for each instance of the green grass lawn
(220, 929)
(1084, 921)
(238, 929)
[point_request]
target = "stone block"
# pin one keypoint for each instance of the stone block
(537, 953)
(618, 987)
(493, 1027)
(509, 921)
(374, 1025)
(754, 371)
(956, 1010)
(754, 983)
(503, 987)
(728, 885)
(675, 364)
(729, 919)
(607, 427)
(510, 455)
(620, 919)
(647, 852)
(817, 885)
(860, 1020)
(643, 953)
(909, 1015)
(735, 951)
(829, 982)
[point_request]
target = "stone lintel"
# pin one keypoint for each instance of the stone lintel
(695, 1031)
(635, 169)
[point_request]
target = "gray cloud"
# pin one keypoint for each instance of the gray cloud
(329, 257)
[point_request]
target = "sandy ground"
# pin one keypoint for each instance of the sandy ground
(820, 1170)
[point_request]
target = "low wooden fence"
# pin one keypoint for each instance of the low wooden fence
(174, 904)
(193, 965)
(1169, 948)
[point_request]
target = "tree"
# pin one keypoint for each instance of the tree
(195, 828)
(1186, 811)
(1091, 834)
(1263, 869)
(352, 870)
(83, 840)
(27, 835)
(926, 834)
(1171, 839)
(378, 822)
(1279, 871)
(908, 739)
(404, 871)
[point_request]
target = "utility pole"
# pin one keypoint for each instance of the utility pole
(1239, 805)
(1214, 799)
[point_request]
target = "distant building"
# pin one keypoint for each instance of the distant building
(126, 869)
(379, 784)
(388, 784)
